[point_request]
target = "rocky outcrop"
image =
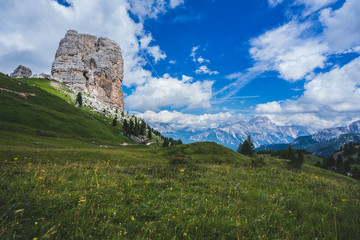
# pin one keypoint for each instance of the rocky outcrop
(95, 65)
(21, 72)
(41, 75)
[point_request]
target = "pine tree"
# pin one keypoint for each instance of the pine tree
(142, 128)
(295, 161)
(247, 147)
(239, 147)
(339, 164)
(355, 173)
(114, 123)
(125, 127)
(166, 142)
(149, 134)
(131, 127)
(79, 99)
(136, 128)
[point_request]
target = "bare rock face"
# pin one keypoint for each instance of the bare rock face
(95, 65)
(21, 72)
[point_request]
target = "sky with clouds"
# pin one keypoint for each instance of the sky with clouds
(207, 62)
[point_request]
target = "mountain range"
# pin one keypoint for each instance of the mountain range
(261, 129)
(324, 142)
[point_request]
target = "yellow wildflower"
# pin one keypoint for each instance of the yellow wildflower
(82, 199)
(132, 218)
(181, 170)
(344, 200)
(316, 177)
(171, 188)
(42, 170)
(35, 239)
(15, 159)
(41, 178)
(146, 181)
(95, 170)
(29, 163)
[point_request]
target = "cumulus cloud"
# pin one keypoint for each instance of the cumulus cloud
(289, 51)
(342, 26)
(301, 119)
(170, 92)
(205, 70)
(31, 33)
(179, 120)
(147, 8)
(328, 95)
(175, 3)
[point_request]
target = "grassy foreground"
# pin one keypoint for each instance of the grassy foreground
(66, 174)
(135, 193)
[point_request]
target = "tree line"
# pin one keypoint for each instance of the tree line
(346, 160)
(296, 157)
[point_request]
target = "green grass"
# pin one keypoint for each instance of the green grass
(63, 180)
(46, 114)
(135, 193)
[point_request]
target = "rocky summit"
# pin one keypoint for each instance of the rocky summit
(95, 65)
(21, 72)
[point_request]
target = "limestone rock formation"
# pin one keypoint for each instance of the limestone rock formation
(95, 65)
(21, 72)
(41, 75)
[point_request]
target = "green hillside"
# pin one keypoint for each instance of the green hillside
(73, 187)
(28, 110)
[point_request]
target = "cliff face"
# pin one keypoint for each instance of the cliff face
(95, 65)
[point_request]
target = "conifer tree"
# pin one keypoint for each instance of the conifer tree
(166, 142)
(247, 147)
(114, 123)
(142, 128)
(125, 127)
(339, 164)
(79, 99)
(149, 134)
(131, 127)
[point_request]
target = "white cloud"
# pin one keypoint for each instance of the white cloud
(289, 51)
(314, 5)
(335, 94)
(31, 33)
(274, 3)
(196, 59)
(172, 62)
(342, 26)
(179, 120)
(202, 60)
(175, 3)
(193, 52)
(170, 92)
(147, 8)
(301, 119)
(205, 70)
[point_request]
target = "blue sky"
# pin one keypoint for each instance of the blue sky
(205, 62)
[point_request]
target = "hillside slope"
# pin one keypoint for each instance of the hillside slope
(139, 193)
(28, 109)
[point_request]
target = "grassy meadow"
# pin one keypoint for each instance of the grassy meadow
(73, 179)
(139, 193)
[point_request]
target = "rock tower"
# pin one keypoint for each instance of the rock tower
(95, 65)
